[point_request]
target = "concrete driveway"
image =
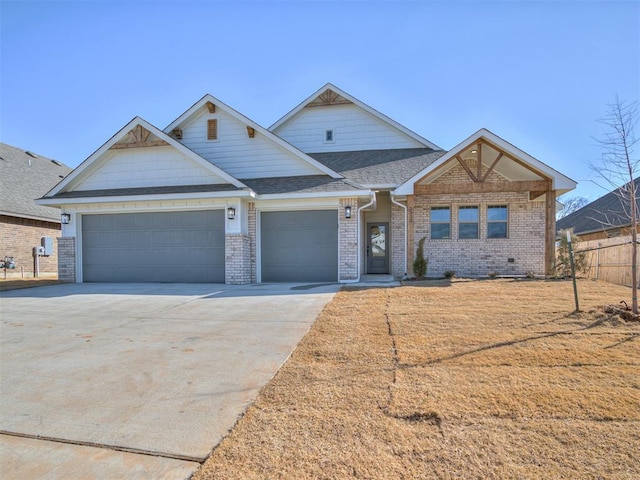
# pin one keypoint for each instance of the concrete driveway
(137, 380)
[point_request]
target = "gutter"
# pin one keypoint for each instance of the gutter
(406, 229)
(371, 203)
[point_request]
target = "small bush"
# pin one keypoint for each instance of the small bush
(493, 274)
(449, 274)
(531, 275)
(420, 263)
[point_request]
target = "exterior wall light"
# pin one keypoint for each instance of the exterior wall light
(65, 218)
(347, 212)
(231, 213)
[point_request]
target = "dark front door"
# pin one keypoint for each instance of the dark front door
(378, 248)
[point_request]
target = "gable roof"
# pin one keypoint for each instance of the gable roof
(340, 96)
(25, 176)
(607, 212)
(379, 168)
(122, 136)
(560, 182)
(195, 108)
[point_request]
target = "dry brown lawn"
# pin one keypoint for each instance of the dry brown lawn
(462, 379)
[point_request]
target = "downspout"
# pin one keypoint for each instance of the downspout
(406, 230)
(372, 202)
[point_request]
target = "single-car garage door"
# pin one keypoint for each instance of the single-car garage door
(154, 247)
(300, 246)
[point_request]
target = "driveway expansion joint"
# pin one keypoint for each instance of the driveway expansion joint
(103, 446)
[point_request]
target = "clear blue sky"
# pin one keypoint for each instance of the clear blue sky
(538, 74)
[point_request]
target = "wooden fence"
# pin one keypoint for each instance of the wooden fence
(610, 259)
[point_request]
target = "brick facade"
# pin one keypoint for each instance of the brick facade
(522, 252)
(348, 240)
(398, 241)
(18, 236)
(67, 259)
(238, 257)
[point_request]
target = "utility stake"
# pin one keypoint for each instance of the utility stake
(573, 270)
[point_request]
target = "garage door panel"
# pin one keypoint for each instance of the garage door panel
(154, 247)
(299, 246)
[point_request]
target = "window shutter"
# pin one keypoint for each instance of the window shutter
(212, 129)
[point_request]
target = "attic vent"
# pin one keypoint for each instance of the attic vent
(31, 154)
(212, 129)
(55, 162)
(177, 133)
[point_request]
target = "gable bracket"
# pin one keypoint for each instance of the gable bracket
(466, 167)
(211, 107)
(493, 165)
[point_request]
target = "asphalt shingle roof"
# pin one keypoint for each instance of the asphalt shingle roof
(25, 177)
(376, 167)
(604, 213)
(303, 184)
(116, 192)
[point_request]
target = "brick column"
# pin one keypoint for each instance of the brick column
(67, 259)
(348, 240)
(238, 259)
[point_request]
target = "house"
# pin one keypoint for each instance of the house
(25, 176)
(607, 217)
(331, 191)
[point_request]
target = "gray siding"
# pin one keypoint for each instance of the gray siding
(154, 247)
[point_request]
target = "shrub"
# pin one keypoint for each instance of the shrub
(563, 263)
(420, 263)
(449, 274)
(493, 274)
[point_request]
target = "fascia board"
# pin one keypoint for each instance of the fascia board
(560, 182)
(287, 196)
(143, 198)
(85, 166)
(371, 111)
(270, 136)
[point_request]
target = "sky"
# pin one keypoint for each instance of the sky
(539, 74)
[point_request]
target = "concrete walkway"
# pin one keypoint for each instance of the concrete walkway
(137, 380)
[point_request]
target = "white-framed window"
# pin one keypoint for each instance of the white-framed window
(440, 223)
(468, 222)
(497, 221)
(328, 135)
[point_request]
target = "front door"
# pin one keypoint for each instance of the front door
(377, 248)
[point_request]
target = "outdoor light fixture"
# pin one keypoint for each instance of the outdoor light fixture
(474, 151)
(65, 218)
(231, 213)
(347, 212)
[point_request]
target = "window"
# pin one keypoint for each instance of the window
(468, 222)
(212, 129)
(328, 135)
(497, 216)
(440, 222)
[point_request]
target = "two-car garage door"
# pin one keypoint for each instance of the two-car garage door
(154, 247)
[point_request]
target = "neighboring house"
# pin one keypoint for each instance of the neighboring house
(608, 216)
(332, 191)
(25, 176)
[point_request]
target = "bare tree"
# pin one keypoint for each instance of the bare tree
(570, 205)
(619, 168)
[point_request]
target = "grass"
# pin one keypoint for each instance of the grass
(450, 379)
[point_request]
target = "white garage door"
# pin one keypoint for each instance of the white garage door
(154, 247)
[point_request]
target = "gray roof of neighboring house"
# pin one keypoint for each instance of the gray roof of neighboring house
(605, 213)
(379, 167)
(302, 184)
(123, 192)
(25, 177)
